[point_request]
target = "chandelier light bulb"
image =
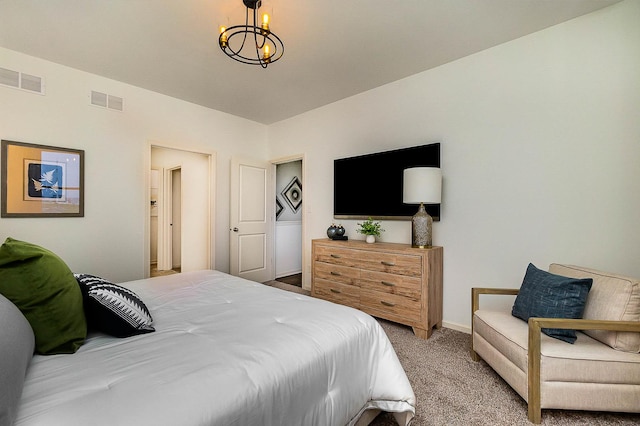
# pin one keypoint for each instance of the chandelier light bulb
(266, 55)
(223, 35)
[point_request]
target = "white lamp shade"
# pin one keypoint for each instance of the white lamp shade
(422, 185)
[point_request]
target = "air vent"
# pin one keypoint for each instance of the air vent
(99, 99)
(9, 78)
(105, 100)
(18, 80)
(31, 82)
(115, 102)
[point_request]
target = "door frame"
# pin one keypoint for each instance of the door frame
(146, 185)
(306, 280)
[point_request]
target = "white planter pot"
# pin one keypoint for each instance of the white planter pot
(371, 239)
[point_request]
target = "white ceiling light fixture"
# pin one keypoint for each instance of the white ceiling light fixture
(251, 44)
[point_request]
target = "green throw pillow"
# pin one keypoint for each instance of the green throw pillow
(43, 287)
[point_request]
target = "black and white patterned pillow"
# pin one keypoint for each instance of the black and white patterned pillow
(113, 309)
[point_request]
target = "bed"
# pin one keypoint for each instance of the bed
(225, 351)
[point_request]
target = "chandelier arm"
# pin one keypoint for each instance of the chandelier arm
(246, 24)
(255, 32)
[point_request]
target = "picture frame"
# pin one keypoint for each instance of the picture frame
(292, 194)
(41, 181)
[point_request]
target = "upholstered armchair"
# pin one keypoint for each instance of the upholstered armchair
(600, 371)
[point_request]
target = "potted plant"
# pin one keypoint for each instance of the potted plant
(371, 229)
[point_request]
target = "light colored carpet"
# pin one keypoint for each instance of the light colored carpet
(453, 390)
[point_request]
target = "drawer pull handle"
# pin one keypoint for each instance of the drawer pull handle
(388, 284)
(388, 263)
(333, 290)
(336, 256)
(387, 303)
(336, 273)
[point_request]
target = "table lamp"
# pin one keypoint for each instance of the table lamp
(421, 185)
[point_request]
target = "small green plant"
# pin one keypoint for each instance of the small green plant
(369, 227)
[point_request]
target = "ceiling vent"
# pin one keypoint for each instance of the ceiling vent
(22, 81)
(105, 100)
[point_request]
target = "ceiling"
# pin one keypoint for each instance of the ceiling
(333, 48)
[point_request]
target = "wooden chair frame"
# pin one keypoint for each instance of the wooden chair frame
(533, 352)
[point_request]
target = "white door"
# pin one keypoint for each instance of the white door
(250, 238)
(176, 218)
(169, 234)
(164, 222)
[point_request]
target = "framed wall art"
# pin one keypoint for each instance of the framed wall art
(41, 181)
(292, 194)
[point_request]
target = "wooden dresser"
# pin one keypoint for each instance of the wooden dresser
(387, 280)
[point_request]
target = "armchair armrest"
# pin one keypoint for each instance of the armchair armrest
(475, 305)
(535, 328)
(477, 291)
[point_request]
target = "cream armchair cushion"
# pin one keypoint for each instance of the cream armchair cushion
(600, 372)
(612, 297)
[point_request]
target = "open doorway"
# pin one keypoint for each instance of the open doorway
(166, 221)
(288, 224)
(180, 217)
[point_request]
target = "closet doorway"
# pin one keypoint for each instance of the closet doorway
(289, 221)
(180, 217)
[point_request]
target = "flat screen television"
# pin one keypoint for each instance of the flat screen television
(371, 185)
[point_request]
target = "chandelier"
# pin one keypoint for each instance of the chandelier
(251, 44)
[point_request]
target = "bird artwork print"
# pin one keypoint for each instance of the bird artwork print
(45, 180)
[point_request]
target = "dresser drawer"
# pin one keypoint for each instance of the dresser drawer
(390, 306)
(337, 273)
(337, 255)
(392, 263)
(402, 285)
(336, 292)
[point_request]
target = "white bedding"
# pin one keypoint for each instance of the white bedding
(226, 351)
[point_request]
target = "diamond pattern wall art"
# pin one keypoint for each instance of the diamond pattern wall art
(279, 208)
(292, 194)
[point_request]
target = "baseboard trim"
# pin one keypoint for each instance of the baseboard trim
(457, 327)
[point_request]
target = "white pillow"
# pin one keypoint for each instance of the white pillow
(17, 343)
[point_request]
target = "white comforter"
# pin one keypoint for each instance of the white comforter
(226, 351)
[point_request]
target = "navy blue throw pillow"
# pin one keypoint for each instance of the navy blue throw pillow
(547, 295)
(113, 309)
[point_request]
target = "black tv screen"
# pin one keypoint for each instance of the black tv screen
(371, 185)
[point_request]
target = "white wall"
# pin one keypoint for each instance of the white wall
(110, 239)
(540, 152)
(288, 248)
